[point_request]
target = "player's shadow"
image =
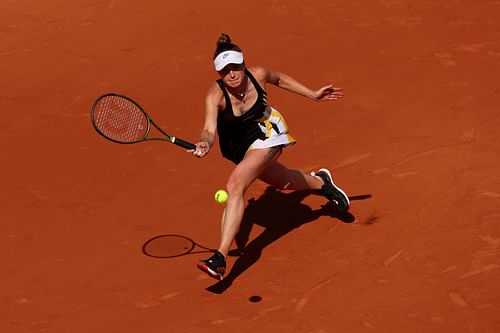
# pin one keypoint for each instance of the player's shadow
(278, 213)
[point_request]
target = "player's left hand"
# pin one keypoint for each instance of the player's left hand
(328, 93)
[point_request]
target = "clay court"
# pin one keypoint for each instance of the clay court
(415, 144)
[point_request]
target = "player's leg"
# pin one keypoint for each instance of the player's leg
(278, 175)
(243, 175)
(281, 177)
(256, 161)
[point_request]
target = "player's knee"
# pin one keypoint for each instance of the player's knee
(234, 188)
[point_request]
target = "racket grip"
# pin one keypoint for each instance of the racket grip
(182, 143)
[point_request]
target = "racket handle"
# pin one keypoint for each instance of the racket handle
(182, 143)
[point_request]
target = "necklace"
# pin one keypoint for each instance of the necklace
(243, 94)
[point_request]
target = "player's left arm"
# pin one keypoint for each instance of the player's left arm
(285, 81)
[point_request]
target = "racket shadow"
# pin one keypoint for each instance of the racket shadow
(278, 213)
(172, 246)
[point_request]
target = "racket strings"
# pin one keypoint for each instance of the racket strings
(120, 119)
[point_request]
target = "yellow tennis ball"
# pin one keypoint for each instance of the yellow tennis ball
(221, 196)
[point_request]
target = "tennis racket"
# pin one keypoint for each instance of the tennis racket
(172, 246)
(121, 120)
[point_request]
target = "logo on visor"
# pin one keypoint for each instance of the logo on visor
(225, 55)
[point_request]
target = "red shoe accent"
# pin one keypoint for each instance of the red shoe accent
(201, 265)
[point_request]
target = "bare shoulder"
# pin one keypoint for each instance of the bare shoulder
(215, 97)
(214, 92)
(265, 75)
(259, 72)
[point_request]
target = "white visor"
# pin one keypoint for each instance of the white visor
(227, 57)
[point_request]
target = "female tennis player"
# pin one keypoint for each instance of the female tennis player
(252, 134)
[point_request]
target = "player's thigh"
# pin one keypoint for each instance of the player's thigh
(276, 174)
(256, 161)
(279, 176)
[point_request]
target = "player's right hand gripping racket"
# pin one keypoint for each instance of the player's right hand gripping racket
(121, 120)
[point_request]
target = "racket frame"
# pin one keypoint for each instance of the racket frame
(172, 139)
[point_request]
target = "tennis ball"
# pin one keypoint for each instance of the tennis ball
(221, 196)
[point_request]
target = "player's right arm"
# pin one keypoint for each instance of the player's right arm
(212, 105)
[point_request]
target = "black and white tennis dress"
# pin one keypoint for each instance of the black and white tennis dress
(260, 127)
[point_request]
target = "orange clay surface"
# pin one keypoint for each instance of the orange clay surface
(415, 143)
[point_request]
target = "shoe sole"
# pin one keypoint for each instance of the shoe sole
(209, 271)
(336, 187)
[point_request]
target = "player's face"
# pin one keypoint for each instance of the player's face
(233, 74)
